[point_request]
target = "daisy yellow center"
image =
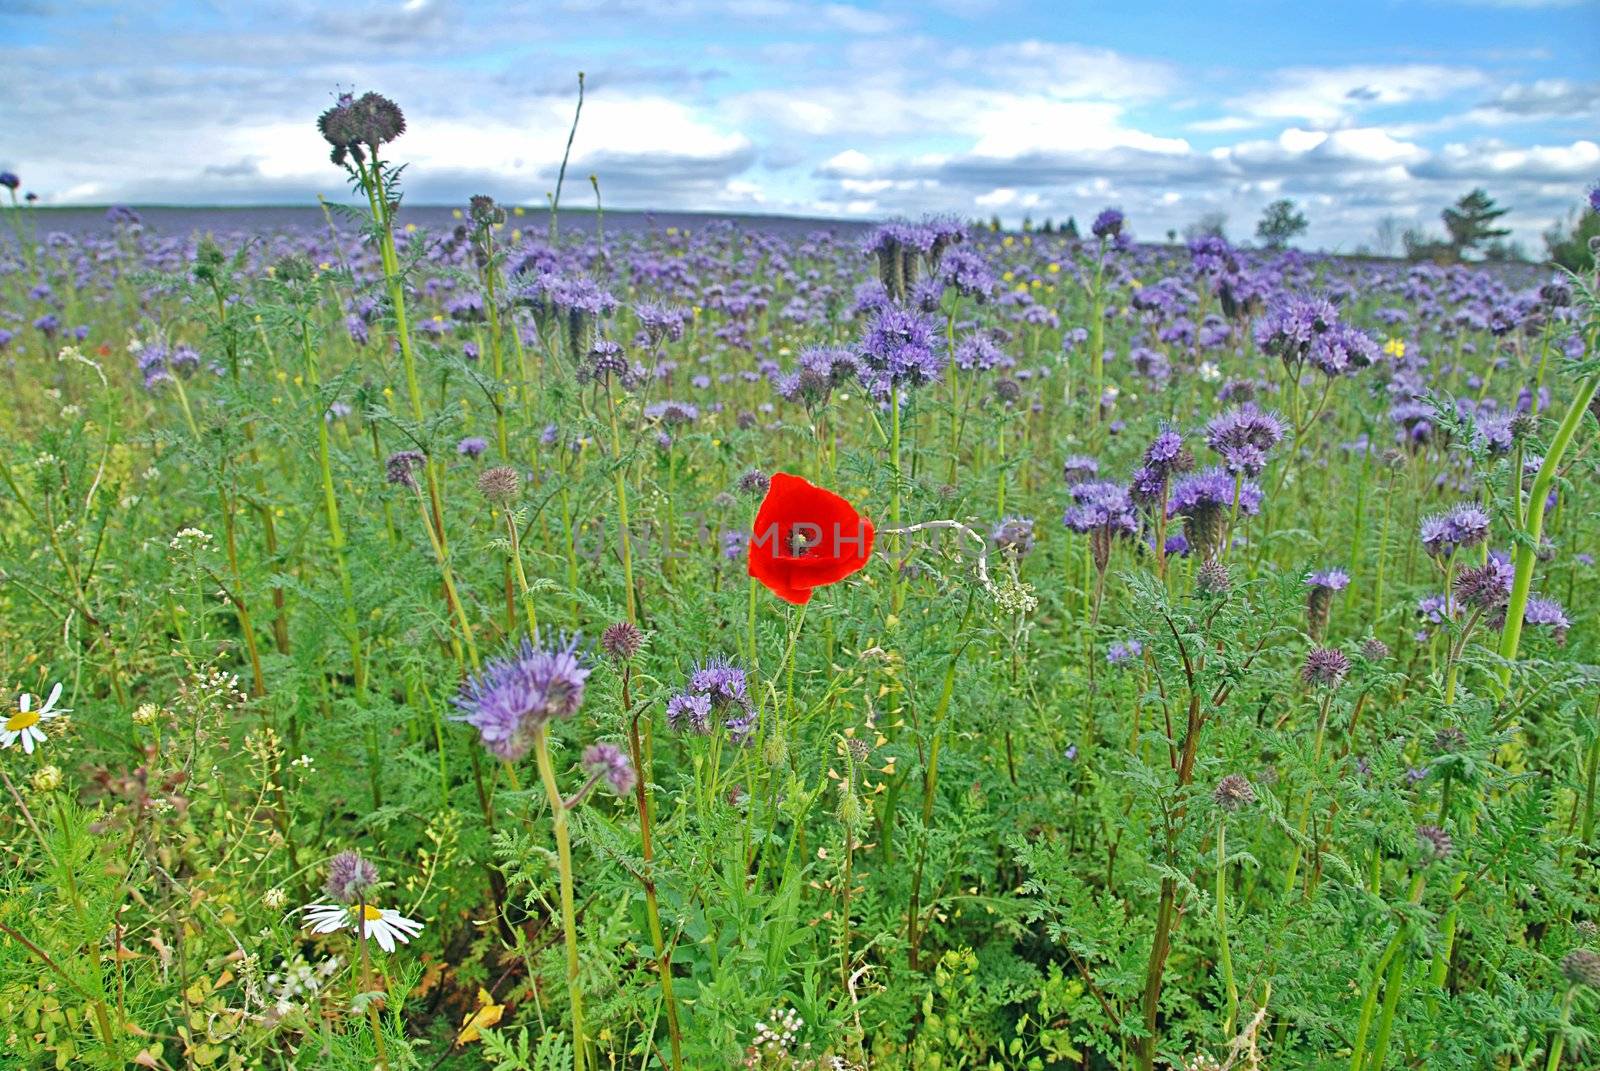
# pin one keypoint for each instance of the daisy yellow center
(367, 912)
(22, 719)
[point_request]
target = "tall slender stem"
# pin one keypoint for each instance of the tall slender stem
(569, 921)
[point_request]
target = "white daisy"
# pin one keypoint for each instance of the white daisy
(24, 724)
(385, 926)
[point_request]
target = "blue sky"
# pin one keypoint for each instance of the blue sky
(1363, 110)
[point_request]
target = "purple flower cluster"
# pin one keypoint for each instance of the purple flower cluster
(1242, 436)
(716, 687)
(1307, 330)
(511, 700)
(1108, 224)
(1101, 504)
(818, 371)
(611, 763)
(1165, 457)
(1466, 525)
(899, 349)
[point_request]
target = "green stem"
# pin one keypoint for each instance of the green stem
(1528, 545)
(569, 922)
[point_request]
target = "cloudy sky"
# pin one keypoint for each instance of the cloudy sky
(1358, 109)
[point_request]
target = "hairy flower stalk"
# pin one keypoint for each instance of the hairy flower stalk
(1531, 522)
(569, 917)
(624, 640)
(368, 169)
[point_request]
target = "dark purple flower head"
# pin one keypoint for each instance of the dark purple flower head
(513, 697)
(722, 681)
(350, 878)
(1433, 843)
(1166, 454)
(1233, 792)
(754, 482)
(1325, 667)
(1486, 587)
(672, 414)
(968, 273)
(611, 763)
(1290, 327)
(9, 180)
(661, 322)
(402, 465)
(621, 640)
(1014, 534)
(1108, 224)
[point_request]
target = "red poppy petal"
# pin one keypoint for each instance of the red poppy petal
(774, 574)
(839, 539)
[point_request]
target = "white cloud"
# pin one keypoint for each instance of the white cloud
(850, 162)
(1226, 124)
(1330, 95)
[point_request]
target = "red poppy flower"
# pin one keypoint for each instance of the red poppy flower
(805, 538)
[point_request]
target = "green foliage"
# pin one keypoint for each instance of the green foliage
(977, 824)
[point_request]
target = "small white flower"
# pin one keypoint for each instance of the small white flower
(24, 724)
(383, 925)
(1209, 372)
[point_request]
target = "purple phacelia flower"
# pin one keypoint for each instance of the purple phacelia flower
(513, 697)
(611, 763)
(1460, 527)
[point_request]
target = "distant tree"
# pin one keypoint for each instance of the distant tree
(1172, 235)
(994, 223)
(1569, 241)
(1386, 239)
(1048, 227)
(1280, 222)
(1471, 222)
(1027, 224)
(1210, 225)
(1071, 229)
(1419, 245)
(1502, 251)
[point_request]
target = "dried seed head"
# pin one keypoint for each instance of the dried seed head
(1582, 967)
(1325, 667)
(1233, 792)
(1374, 650)
(1212, 579)
(1449, 739)
(500, 484)
(622, 640)
(1433, 843)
